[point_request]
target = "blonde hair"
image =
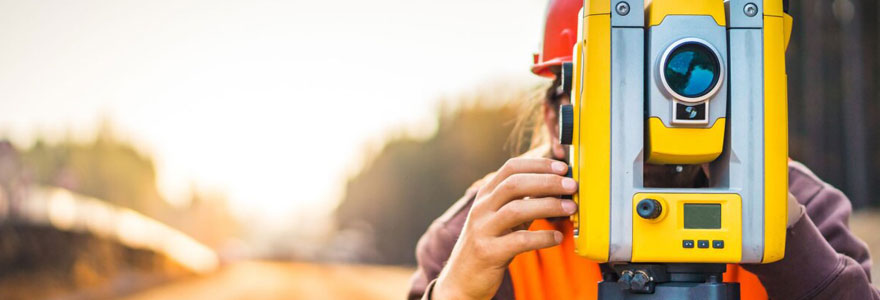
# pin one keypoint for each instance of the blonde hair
(529, 131)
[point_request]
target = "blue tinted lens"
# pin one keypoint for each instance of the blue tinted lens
(691, 70)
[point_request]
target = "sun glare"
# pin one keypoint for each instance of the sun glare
(270, 103)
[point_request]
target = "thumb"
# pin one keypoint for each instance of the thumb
(795, 211)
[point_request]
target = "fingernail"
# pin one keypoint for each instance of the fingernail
(557, 236)
(569, 184)
(569, 206)
(558, 166)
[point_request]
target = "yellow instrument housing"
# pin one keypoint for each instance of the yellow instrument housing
(658, 10)
(684, 145)
(776, 33)
(595, 114)
(748, 142)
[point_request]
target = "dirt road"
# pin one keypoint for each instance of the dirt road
(280, 280)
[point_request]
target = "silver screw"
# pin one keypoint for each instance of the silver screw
(678, 169)
(750, 9)
(622, 8)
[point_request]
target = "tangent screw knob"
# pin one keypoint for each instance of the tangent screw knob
(625, 280)
(640, 282)
(649, 209)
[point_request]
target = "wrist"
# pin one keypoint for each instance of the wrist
(445, 289)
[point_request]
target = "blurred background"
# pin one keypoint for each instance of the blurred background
(298, 149)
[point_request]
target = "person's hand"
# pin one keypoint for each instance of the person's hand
(523, 190)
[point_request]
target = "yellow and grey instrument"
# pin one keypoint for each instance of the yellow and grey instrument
(679, 82)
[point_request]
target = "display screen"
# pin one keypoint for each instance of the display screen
(702, 216)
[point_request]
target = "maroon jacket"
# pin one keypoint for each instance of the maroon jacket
(823, 259)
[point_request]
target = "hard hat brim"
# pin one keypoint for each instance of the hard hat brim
(550, 68)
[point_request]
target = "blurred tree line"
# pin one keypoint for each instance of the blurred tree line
(104, 168)
(834, 85)
(115, 171)
(833, 78)
(411, 181)
(42, 261)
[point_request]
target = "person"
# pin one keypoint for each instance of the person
(509, 237)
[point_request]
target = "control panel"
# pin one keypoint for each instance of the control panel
(686, 227)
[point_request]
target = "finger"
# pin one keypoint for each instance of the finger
(795, 210)
(517, 212)
(521, 241)
(519, 186)
(558, 150)
(526, 165)
(523, 226)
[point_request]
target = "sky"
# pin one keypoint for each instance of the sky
(271, 103)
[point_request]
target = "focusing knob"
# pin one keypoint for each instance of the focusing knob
(566, 123)
(565, 72)
(649, 209)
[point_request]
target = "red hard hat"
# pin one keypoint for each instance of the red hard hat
(560, 34)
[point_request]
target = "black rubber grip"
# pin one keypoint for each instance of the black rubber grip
(566, 124)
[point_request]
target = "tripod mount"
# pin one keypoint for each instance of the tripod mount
(666, 281)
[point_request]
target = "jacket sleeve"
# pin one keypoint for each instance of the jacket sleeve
(436, 244)
(823, 259)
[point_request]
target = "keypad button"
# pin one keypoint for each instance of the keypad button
(718, 244)
(703, 244)
(687, 243)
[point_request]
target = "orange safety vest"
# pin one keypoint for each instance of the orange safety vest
(559, 273)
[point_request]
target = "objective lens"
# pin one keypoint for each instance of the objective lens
(692, 70)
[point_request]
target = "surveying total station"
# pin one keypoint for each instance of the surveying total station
(678, 82)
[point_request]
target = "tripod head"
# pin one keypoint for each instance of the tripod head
(666, 281)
